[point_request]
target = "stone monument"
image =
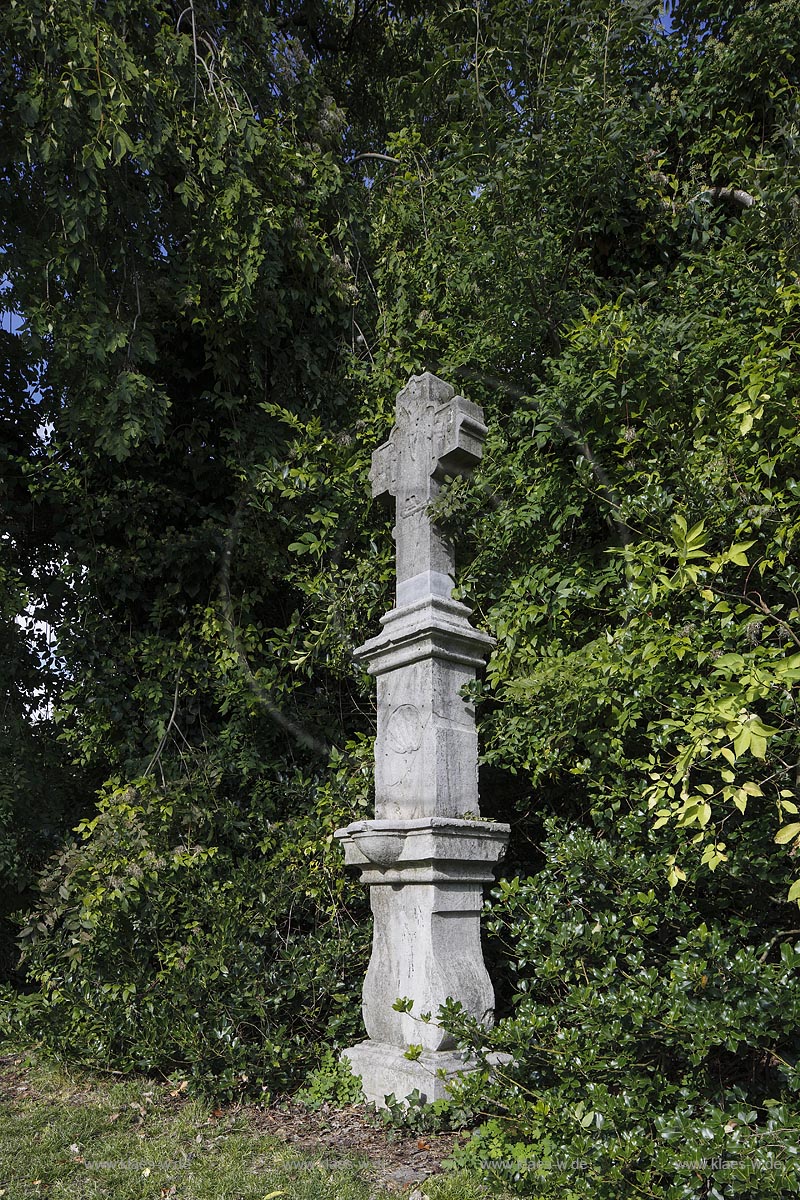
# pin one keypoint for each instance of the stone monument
(425, 856)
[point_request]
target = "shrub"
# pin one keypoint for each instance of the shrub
(187, 933)
(653, 1034)
(332, 1082)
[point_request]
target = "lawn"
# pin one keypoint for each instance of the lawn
(69, 1134)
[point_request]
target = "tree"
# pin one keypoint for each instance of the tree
(32, 763)
(170, 238)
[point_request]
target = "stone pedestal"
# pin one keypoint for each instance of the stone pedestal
(426, 880)
(426, 857)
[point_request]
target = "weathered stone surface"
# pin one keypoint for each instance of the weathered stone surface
(426, 882)
(425, 850)
(425, 858)
(426, 750)
(436, 434)
(385, 1071)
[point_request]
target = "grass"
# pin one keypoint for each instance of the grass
(77, 1137)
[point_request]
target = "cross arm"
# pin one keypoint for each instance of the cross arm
(381, 473)
(460, 444)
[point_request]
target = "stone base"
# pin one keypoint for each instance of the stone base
(426, 880)
(385, 1071)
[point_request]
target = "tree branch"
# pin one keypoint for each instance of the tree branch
(293, 728)
(738, 195)
(373, 154)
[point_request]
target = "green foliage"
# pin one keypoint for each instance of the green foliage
(32, 764)
(169, 231)
(332, 1082)
(671, 654)
(653, 1034)
(169, 235)
(413, 1112)
(39, 792)
(232, 236)
(186, 934)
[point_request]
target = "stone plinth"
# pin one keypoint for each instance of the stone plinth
(425, 857)
(385, 1071)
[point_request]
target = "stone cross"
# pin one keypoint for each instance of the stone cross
(425, 857)
(436, 434)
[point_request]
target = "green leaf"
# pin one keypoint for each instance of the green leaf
(736, 554)
(729, 660)
(696, 536)
(741, 742)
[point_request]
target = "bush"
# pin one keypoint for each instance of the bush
(332, 1082)
(653, 1033)
(186, 933)
(39, 799)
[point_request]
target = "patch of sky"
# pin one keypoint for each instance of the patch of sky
(665, 16)
(42, 641)
(10, 319)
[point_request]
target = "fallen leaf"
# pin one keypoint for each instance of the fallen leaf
(272, 1195)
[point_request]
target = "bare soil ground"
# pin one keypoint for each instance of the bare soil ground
(399, 1160)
